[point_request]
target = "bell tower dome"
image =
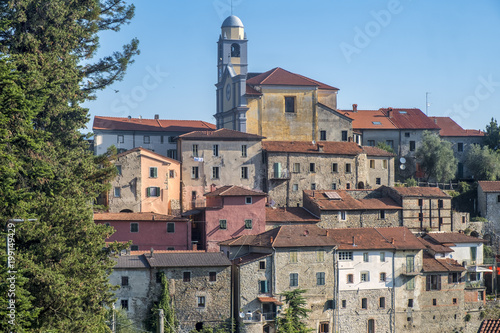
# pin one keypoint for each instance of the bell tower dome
(232, 47)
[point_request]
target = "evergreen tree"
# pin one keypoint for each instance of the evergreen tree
(492, 135)
(436, 158)
(47, 171)
(165, 303)
(296, 312)
(483, 162)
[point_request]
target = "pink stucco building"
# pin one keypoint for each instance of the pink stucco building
(148, 230)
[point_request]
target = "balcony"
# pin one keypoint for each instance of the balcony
(283, 174)
(258, 316)
(410, 270)
(475, 284)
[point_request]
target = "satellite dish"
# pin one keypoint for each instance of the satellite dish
(402, 160)
(402, 166)
(242, 315)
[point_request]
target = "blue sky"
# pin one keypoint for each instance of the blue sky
(378, 53)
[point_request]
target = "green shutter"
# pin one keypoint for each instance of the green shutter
(148, 191)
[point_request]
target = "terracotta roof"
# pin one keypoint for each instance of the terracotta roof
(234, 191)
(158, 125)
(417, 191)
(450, 128)
(399, 238)
(489, 186)
(279, 76)
(267, 299)
(264, 239)
(130, 261)
(220, 134)
(195, 259)
(144, 216)
(250, 91)
(490, 326)
(147, 151)
(369, 119)
(435, 246)
(453, 238)
(430, 264)
(376, 151)
(250, 257)
(409, 118)
(138, 252)
(307, 147)
(290, 214)
(347, 202)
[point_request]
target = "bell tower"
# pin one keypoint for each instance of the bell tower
(232, 47)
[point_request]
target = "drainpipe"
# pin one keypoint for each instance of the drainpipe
(336, 326)
(393, 295)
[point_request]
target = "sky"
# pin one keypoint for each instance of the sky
(390, 53)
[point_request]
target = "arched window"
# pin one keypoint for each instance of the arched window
(235, 50)
(126, 211)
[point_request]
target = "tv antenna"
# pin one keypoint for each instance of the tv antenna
(427, 104)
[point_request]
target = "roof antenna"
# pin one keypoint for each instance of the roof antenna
(231, 7)
(427, 104)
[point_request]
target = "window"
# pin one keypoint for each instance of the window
(498, 198)
(372, 164)
(382, 214)
(384, 164)
(324, 327)
(410, 284)
(172, 153)
(134, 247)
(420, 217)
(407, 134)
(186, 276)
(118, 192)
(348, 186)
(313, 186)
(293, 257)
(320, 255)
(348, 167)
(171, 227)
(420, 202)
(342, 215)
(440, 203)
(243, 150)
(194, 172)
(364, 303)
(244, 172)
(345, 255)
(119, 170)
(161, 139)
(215, 172)
(124, 304)
(412, 145)
(124, 281)
(434, 301)
(335, 167)
(215, 150)
(344, 135)
(170, 248)
(460, 146)
(473, 253)
(152, 191)
(433, 282)
(320, 278)
(371, 143)
(171, 139)
(480, 295)
(263, 286)
(334, 186)
(294, 279)
(153, 172)
(350, 278)
(195, 150)
(381, 302)
(212, 276)
(382, 256)
(296, 167)
(289, 104)
(171, 173)
(383, 277)
(366, 257)
(295, 187)
(158, 277)
(378, 181)
(201, 301)
(119, 139)
(322, 135)
(248, 224)
(344, 304)
(440, 221)
(134, 227)
(248, 200)
(235, 50)
(312, 167)
(371, 326)
(146, 139)
(410, 263)
(410, 302)
(390, 143)
(365, 276)
(262, 265)
(376, 123)
(454, 301)
(223, 224)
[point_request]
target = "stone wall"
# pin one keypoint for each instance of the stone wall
(359, 219)
(130, 183)
(333, 124)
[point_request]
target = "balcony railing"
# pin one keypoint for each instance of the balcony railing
(475, 284)
(283, 174)
(410, 270)
(259, 317)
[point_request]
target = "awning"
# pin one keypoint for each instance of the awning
(478, 269)
(191, 212)
(269, 300)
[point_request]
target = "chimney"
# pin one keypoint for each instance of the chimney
(355, 107)
(392, 240)
(140, 117)
(213, 187)
(152, 251)
(129, 117)
(272, 239)
(320, 147)
(435, 121)
(153, 217)
(157, 116)
(389, 113)
(195, 247)
(353, 243)
(327, 233)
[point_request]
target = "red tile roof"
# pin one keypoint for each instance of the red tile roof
(267, 299)
(147, 151)
(307, 147)
(234, 191)
(441, 265)
(490, 326)
(250, 257)
(417, 191)
(489, 186)
(450, 128)
(250, 91)
(220, 134)
(399, 238)
(434, 246)
(453, 238)
(376, 151)
(101, 217)
(188, 259)
(409, 119)
(347, 202)
(158, 125)
(290, 214)
(279, 76)
(369, 119)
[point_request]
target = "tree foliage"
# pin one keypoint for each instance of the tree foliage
(47, 171)
(436, 158)
(386, 147)
(292, 321)
(165, 303)
(483, 163)
(492, 135)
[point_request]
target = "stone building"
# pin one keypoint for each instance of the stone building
(301, 165)
(199, 283)
(221, 157)
(279, 260)
(156, 134)
(278, 216)
(146, 182)
(488, 201)
(461, 141)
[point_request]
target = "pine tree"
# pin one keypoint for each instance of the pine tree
(492, 135)
(295, 313)
(48, 173)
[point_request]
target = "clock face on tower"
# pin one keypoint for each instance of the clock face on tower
(228, 92)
